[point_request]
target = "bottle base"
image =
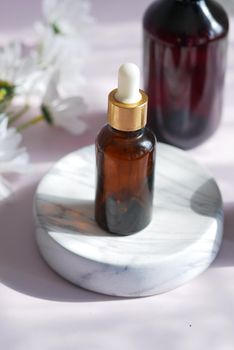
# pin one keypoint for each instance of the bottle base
(119, 219)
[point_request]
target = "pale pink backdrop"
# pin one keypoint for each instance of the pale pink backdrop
(41, 311)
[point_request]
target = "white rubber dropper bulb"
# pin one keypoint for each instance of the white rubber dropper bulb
(128, 84)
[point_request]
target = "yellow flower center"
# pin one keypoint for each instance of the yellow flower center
(6, 91)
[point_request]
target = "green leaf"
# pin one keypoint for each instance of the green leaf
(46, 114)
(55, 28)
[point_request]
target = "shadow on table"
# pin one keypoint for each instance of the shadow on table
(225, 257)
(21, 266)
(204, 204)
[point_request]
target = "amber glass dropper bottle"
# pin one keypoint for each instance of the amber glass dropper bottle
(125, 157)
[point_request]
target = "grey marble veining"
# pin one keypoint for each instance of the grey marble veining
(181, 241)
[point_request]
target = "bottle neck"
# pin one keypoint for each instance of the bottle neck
(126, 134)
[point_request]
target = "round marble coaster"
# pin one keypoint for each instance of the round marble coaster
(181, 241)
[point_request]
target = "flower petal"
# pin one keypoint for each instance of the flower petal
(51, 92)
(75, 126)
(11, 156)
(5, 189)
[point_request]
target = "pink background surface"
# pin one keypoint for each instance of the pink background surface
(40, 310)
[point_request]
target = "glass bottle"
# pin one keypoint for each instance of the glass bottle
(185, 46)
(125, 157)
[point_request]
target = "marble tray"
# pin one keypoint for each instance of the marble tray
(181, 241)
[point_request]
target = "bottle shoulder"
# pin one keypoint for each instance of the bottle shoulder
(125, 144)
(186, 22)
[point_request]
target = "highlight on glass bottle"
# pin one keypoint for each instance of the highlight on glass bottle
(185, 45)
(125, 159)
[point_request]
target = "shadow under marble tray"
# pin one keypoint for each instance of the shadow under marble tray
(181, 241)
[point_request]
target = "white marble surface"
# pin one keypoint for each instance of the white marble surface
(181, 241)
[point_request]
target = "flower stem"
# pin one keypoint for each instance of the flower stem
(18, 115)
(31, 122)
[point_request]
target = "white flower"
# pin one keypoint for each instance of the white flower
(16, 71)
(12, 157)
(64, 41)
(65, 30)
(59, 53)
(63, 112)
(68, 17)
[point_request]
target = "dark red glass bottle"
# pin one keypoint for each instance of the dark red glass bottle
(185, 45)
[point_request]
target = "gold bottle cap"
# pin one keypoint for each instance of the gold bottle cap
(125, 116)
